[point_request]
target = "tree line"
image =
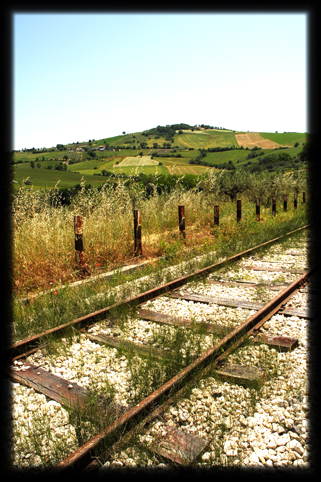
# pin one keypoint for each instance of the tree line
(225, 185)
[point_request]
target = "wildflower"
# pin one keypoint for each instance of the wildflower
(97, 264)
(55, 293)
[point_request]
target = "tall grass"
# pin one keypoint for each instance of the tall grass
(44, 252)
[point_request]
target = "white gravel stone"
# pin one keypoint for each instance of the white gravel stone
(241, 426)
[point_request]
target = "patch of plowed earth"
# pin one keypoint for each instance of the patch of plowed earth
(253, 139)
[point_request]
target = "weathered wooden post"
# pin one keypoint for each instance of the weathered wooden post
(285, 203)
(238, 210)
(295, 200)
(79, 248)
(181, 220)
(216, 215)
(257, 202)
(273, 205)
(138, 233)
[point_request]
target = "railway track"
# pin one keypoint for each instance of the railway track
(186, 373)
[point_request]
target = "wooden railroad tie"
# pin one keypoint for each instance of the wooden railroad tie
(246, 305)
(179, 446)
(281, 270)
(242, 374)
(120, 344)
(177, 321)
(251, 284)
(61, 390)
(283, 343)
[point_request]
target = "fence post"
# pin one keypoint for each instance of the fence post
(257, 202)
(285, 203)
(238, 210)
(138, 233)
(181, 220)
(273, 205)
(216, 215)
(79, 255)
(303, 196)
(295, 201)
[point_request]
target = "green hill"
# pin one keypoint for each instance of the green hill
(176, 148)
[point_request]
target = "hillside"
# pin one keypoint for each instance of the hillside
(176, 149)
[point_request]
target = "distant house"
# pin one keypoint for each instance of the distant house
(79, 149)
(100, 148)
(110, 149)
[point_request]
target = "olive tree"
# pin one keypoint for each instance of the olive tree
(235, 182)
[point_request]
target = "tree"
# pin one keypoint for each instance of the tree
(233, 183)
(307, 152)
(124, 132)
(39, 165)
(32, 164)
(141, 154)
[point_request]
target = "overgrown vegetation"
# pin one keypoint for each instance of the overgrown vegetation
(43, 220)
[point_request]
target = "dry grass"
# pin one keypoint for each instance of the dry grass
(44, 249)
(44, 252)
(253, 139)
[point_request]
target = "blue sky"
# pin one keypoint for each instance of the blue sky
(89, 76)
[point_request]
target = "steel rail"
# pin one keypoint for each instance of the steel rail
(83, 456)
(31, 344)
(96, 464)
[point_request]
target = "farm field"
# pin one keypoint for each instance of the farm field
(138, 161)
(149, 169)
(100, 164)
(45, 178)
(205, 140)
(252, 139)
(286, 138)
(124, 158)
(241, 155)
(181, 169)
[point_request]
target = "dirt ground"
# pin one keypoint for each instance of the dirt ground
(252, 139)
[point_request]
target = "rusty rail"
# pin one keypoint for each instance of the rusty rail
(83, 456)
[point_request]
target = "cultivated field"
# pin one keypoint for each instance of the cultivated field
(138, 161)
(252, 139)
(124, 156)
(285, 138)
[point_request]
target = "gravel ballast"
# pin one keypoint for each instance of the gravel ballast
(243, 427)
